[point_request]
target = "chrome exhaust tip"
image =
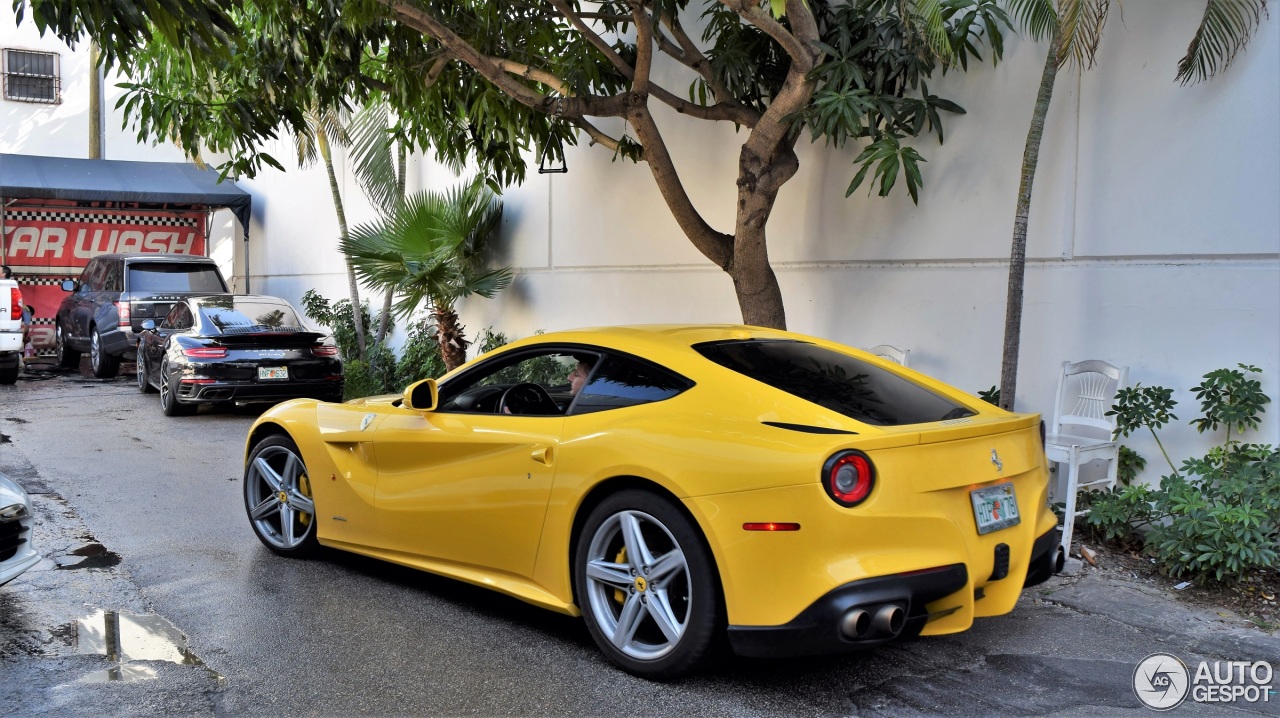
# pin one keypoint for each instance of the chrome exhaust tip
(855, 623)
(888, 620)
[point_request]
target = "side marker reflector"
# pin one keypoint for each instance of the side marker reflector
(771, 526)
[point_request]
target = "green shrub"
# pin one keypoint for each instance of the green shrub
(420, 356)
(1223, 520)
(1131, 464)
(1120, 514)
(1217, 520)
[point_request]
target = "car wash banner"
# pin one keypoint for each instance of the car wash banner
(45, 245)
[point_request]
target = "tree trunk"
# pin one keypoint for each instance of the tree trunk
(323, 142)
(402, 156)
(449, 332)
(1018, 254)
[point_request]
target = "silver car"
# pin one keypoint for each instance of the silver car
(16, 522)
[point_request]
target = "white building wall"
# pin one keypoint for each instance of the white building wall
(1154, 238)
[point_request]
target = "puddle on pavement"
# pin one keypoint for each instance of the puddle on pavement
(93, 555)
(128, 637)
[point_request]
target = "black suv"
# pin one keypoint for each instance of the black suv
(115, 294)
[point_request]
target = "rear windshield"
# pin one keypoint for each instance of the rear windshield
(174, 278)
(232, 315)
(839, 382)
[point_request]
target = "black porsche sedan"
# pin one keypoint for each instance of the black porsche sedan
(235, 348)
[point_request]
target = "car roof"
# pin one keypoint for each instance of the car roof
(156, 257)
(259, 298)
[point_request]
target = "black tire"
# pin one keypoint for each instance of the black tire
(144, 384)
(169, 402)
(284, 527)
(684, 587)
(68, 358)
(105, 366)
(9, 375)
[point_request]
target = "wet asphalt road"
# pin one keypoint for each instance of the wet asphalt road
(344, 635)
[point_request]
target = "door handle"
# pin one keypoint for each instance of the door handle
(543, 455)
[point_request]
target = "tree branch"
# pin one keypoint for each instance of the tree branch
(597, 136)
(594, 38)
(532, 73)
(715, 246)
(644, 47)
(592, 105)
(695, 60)
(752, 12)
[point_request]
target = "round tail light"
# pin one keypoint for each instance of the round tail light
(848, 477)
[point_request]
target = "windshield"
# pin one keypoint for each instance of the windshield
(840, 382)
(234, 315)
(174, 278)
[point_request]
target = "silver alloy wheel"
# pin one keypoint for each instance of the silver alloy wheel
(95, 352)
(166, 394)
(59, 345)
(142, 374)
(640, 599)
(275, 493)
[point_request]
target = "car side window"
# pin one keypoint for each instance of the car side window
(91, 278)
(542, 378)
(112, 281)
(178, 318)
(621, 381)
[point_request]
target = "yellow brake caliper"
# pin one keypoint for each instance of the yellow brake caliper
(618, 595)
(304, 484)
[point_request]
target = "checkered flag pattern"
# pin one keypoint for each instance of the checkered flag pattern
(103, 218)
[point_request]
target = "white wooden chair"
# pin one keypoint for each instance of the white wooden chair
(891, 353)
(1081, 432)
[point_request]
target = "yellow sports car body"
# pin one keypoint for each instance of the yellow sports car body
(672, 482)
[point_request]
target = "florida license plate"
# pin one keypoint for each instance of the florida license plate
(273, 373)
(995, 508)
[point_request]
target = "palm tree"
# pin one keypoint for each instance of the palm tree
(1074, 29)
(325, 128)
(431, 252)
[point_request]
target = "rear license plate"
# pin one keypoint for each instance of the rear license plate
(273, 373)
(995, 508)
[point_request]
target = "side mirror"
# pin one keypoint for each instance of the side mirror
(148, 325)
(422, 395)
(68, 285)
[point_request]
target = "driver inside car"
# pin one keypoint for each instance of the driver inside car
(577, 378)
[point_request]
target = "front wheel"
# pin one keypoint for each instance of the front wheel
(277, 497)
(647, 585)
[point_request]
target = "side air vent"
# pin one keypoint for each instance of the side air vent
(805, 428)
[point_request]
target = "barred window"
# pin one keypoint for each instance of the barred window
(32, 76)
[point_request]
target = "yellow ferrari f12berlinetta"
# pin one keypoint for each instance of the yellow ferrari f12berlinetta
(670, 483)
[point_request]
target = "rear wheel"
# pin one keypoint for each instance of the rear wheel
(9, 375)
(105, 366)
(169, 403)
(647, 585)
(68, 358)
(277, 498)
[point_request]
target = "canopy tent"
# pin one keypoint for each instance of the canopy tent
(170, 185)
(153, 183)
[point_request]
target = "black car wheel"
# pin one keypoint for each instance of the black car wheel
(647, 585)
(68, 358)
(105, 366)
(9, 375)
(144, 385)
(278, 499)
(169, 403)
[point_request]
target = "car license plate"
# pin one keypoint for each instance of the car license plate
(995, 508)
(267, 373)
